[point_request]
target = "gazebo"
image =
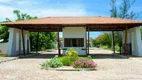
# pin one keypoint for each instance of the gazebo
(74, 32)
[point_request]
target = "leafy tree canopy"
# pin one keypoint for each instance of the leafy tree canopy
(46, 39)
(123, 11)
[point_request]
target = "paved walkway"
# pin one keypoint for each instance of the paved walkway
(109, 68)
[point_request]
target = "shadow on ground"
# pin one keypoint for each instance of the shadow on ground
(94, 56)
(41, 56)
(107, 56)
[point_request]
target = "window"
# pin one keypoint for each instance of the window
(74, 42)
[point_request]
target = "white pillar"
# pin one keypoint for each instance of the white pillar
(137, 42)
(27, 38)
(134, 37)
(12, 42)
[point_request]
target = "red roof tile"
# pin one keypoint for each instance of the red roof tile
(76, 20)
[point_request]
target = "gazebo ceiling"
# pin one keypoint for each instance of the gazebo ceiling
(57, 23)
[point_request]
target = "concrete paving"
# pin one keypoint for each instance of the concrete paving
(109, 68)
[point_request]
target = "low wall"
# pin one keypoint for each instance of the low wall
(3, 48)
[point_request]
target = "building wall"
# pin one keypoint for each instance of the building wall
(75, 32)
(134, 37)
(15, 45)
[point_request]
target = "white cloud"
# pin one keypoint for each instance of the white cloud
(69, 9)
(20, 2)
(59, 12)
(5, 1)
(23, 2)
(6, 12)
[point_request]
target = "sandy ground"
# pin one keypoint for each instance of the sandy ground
(109, 68)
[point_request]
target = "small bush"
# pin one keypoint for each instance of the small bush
(53, 63)
(72, 52)
(84, 63)
(44, 65)
(89, 57)
(68, 60)
(117, 48)
(105, 47)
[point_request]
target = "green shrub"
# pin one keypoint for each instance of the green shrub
(43, 48)
(72, 52)
(105, 47)
(55, 63)
(71, 56)
(117, 48)
(68, 60)
(89, 57)
(44, 65)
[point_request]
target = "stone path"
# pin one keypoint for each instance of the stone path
(109, 68)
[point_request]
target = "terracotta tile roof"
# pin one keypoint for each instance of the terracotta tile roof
(97, 23)
(77, 20)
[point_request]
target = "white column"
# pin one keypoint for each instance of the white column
(12, 42)
(134, 37)
(27, 37)
(137, 42)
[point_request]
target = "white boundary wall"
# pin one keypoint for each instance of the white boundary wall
(134, 37)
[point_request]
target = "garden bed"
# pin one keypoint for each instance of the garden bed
(70, 68)
(70, 62)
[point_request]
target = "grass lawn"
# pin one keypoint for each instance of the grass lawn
(2, 55)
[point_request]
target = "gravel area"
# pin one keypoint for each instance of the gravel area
(108, 69)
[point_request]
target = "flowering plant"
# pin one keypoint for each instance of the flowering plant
(84, 63)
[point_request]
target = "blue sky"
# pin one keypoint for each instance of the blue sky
(45, 8)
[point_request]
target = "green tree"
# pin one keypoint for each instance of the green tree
(113, 10)
(4, 33)
(103, 39)
(123, 11)
(20, 16)
(46, 39)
